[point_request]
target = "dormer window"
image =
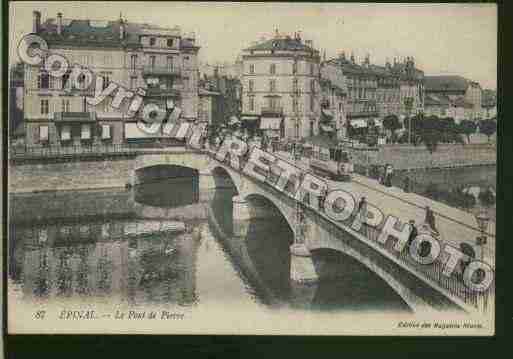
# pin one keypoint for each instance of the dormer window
(169, 42)
(152, 41)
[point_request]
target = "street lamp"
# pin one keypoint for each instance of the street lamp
(482, 222)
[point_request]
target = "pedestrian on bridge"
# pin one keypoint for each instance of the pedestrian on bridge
(362, 214)
(430, 219)
(413, 233)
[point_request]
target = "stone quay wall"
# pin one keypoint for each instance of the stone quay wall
(418, 157)
(48, 175)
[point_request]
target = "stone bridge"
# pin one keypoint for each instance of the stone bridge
(255, 199)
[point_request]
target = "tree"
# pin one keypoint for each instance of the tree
(391, 123)
(488, 127)
(467, 128)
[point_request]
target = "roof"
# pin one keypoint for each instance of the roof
(436, 100)
(284, 44)
(396, 70)
(445, 83)
(99, 33)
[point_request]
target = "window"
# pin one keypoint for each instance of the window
(85, 133)
(152, 41)
(65, 80)
(251, 85)
(251, 104)
(133, 62)
(295, 87)
(312, 69)
(312, 103)
(273, 103)
(169, 62)
(106, 132)
(44, 107)
(295, 106)
(312, 123)
(65, 106)
(66, 133)
(272, 69)
(43, 80)
(294, 67)
(152, 61)
(169, 42)
(106, 80)
(251, 69)
(43, 133)
(272, 85)
(133, 82)
(84, 104)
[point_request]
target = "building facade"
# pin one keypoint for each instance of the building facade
(280, 87)
(161, 61)
(463, 96)
(374, 92)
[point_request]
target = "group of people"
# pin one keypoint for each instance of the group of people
(385, 177)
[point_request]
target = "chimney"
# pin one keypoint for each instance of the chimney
(387, 64)
(352, 57)
(36, 21)
(342, 55)
(367, 60)
(59, 23)
(299, 36)
(309, 43)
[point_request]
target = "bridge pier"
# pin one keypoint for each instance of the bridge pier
(302, 269)
(206, 180)
(240, 209)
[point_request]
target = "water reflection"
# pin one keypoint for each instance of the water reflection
(75, 247)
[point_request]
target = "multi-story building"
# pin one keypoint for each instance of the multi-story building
(229, 89)
(489, 104)
(377, 91)
(16, 91)
(160, 60)
(459, 92)
(333, 101)
(280, 87)
(411, 87)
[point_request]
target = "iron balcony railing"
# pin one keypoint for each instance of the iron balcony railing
(160, 70)
(74, 116)
(272, 110)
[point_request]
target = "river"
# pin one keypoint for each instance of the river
(77, 245)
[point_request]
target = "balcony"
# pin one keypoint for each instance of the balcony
(162, 92)
(77, 117)
(357, 114)
(149, 70)
(277, 111)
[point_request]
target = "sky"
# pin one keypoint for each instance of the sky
(457, 39)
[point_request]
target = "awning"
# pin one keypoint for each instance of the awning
(358, 123)
(328, 113)
(249, 118)
(270, 123)
(86, 132)
(105, 132)
(132, 131)
(66, 133)
(327, 128)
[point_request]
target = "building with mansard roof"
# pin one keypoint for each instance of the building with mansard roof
(280, 87)
(160, 60)
(462, 93)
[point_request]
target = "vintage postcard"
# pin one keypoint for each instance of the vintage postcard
(251, 168)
